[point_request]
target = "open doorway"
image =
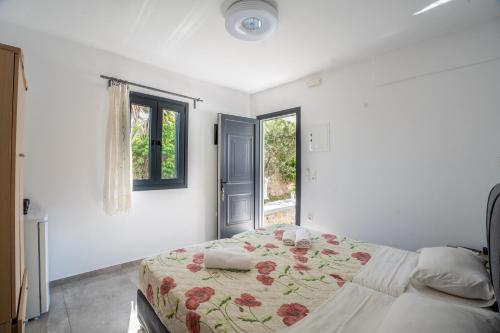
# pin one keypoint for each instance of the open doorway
(280, 167)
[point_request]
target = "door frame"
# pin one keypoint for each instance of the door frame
(298, 166)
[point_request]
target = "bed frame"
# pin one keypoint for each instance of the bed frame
(493, 238)
(152, 324)
(147, 316)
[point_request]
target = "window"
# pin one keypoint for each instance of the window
(159, 142)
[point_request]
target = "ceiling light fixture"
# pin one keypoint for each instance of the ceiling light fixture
(432, 6)
(251, 20)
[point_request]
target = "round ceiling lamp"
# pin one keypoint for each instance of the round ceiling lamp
(251, 20)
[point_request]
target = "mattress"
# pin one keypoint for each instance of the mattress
(286, 284)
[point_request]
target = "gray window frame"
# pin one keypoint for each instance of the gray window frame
(156, 104)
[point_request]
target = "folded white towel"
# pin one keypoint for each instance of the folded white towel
(289, 237)
(228, 258)
(302, 239)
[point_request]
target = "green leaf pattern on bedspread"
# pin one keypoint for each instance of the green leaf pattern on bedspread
(286, 284)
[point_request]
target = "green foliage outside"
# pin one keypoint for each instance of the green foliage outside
(140, 143)
(168, 146)
(272, 198)
(280, 156)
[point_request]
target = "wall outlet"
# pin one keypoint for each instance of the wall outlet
(311, 175)
(314, 175)
(310, 217)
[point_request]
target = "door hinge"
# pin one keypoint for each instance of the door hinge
(216, 134)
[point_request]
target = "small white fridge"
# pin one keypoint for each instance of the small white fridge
(36, 260)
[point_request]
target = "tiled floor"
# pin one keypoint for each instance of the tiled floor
(102, 303)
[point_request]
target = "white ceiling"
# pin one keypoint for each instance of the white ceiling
(188, 36)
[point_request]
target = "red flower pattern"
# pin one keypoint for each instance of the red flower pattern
(298, 251)
(149, 294)
(192, 303)
(328, 252)
(167, 284)
(193, 267)
(292, 313)
(363, 257)
(301, 259)
(328, 236)
(339, 279)
(198, 258)
(247, 300)
(266, 267)
(301, 268)
(197, 295)
(330, 239)
(193, 322)
(249, 247)
(333, 242)
(202, 294)
(278, 234)
(265, 279)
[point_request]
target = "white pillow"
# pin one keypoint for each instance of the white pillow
(415, 314)
(454, 271)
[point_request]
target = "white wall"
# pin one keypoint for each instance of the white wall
(65, 139)
(415, 148)
(415, 144)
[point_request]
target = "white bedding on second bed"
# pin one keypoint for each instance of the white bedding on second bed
(352, 309)
(440, 296)
(362, 305)
(389, 271)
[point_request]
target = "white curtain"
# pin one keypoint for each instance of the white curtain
(118, 182)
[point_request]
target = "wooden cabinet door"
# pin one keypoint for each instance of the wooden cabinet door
(6, 327)
(17, 178)
(21, 315)
(6, 248)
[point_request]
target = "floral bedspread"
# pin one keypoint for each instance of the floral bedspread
(286, 284)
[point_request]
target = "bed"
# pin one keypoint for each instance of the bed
(287, 285)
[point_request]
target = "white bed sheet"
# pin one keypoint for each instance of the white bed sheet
(351, 309)
(415, 314)
(389, 271)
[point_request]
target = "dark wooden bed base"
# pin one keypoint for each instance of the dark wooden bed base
(147, 316)
(152, 324)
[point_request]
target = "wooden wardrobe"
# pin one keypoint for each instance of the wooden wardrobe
(13, 278)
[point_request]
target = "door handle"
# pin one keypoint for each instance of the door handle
(222, 189)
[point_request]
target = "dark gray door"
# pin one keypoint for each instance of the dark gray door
(237, 175)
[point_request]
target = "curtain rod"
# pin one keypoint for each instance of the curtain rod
(194, 99)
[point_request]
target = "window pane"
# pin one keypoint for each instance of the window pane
(169, 146)
(141, 116)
